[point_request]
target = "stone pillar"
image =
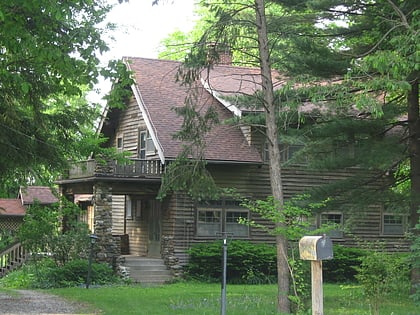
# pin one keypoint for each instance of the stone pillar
(106, 247)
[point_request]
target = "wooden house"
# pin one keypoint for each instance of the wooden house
(122, 196)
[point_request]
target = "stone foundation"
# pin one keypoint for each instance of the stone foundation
(171, 261)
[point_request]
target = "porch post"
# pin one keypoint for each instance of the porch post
(107, 249)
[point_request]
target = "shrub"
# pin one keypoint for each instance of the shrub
(343, 267)
(381, 274)
(45, 274)
(246, 262)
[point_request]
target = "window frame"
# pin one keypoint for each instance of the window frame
(119, 142)
(336, 233)
(224, 208)
(146, 145)
(403, 224)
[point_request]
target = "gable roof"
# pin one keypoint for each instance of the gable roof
(227, 83)
(11, 207)
(157, 94)
(42, 194)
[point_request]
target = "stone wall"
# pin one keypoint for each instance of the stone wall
(107, 249)
(168, 255)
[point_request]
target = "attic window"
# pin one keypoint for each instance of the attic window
(146, 145)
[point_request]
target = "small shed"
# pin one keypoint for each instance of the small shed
(43, 194)
(12, 212)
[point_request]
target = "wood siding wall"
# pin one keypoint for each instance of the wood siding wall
(179, 218)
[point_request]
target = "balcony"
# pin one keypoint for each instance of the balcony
(131, 168)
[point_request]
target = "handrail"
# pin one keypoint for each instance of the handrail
(129, 168)
(11, 258)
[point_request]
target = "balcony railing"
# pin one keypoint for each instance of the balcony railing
(130, 168)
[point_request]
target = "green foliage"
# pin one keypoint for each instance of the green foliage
(6, 238)
(342, 269)
(45, 274)
(246, 262)
(382, 274)
(49, 60)
(292, 219)
(415, 261)
(42, 232)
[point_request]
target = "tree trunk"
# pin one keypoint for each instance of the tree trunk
(273, 151)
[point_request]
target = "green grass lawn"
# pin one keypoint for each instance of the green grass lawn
(200, 299)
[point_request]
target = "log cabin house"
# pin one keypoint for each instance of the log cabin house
(121, 198)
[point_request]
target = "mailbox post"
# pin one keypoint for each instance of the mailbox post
(316, 249)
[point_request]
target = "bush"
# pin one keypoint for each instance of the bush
(46, 274)
(381, 274)
(343, 267)
(246, 262)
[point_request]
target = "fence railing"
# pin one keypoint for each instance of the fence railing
(11, 258)
(130, 168)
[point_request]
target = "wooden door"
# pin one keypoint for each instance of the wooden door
(155, 223)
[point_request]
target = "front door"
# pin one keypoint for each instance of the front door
(155, 219)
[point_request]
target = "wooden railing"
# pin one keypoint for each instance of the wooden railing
(12, 258)
(131, 168)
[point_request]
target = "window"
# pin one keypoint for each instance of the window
(119, 144)
(233, 225)
(288, 151)
(133, 207)
(142, 144)
(128, 209)
(393, 224)
(332, 218)
(214, 217)
(146, 145)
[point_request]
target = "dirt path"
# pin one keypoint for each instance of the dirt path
(35, 302)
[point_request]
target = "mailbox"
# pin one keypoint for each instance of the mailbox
(315, 248)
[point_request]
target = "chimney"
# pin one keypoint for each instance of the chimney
(219, 54)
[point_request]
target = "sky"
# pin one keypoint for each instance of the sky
(141, 27)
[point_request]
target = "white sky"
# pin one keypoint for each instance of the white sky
(141, 27)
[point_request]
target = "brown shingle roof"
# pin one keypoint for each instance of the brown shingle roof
(11, 207)
(42, 194)
(160, 94)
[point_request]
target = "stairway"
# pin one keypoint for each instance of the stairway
(11, 258)
(146, 270)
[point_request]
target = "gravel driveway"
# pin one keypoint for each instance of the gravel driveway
(35, 302)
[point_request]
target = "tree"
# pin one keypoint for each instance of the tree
(368, 53)
(49, 59)
(271, 110)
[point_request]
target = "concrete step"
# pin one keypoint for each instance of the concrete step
(147, 270)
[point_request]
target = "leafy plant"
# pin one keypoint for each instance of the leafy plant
(45, 274)
(246, 262)
(381, 274)
(43, 233)
(415, 260)
(343, 267)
